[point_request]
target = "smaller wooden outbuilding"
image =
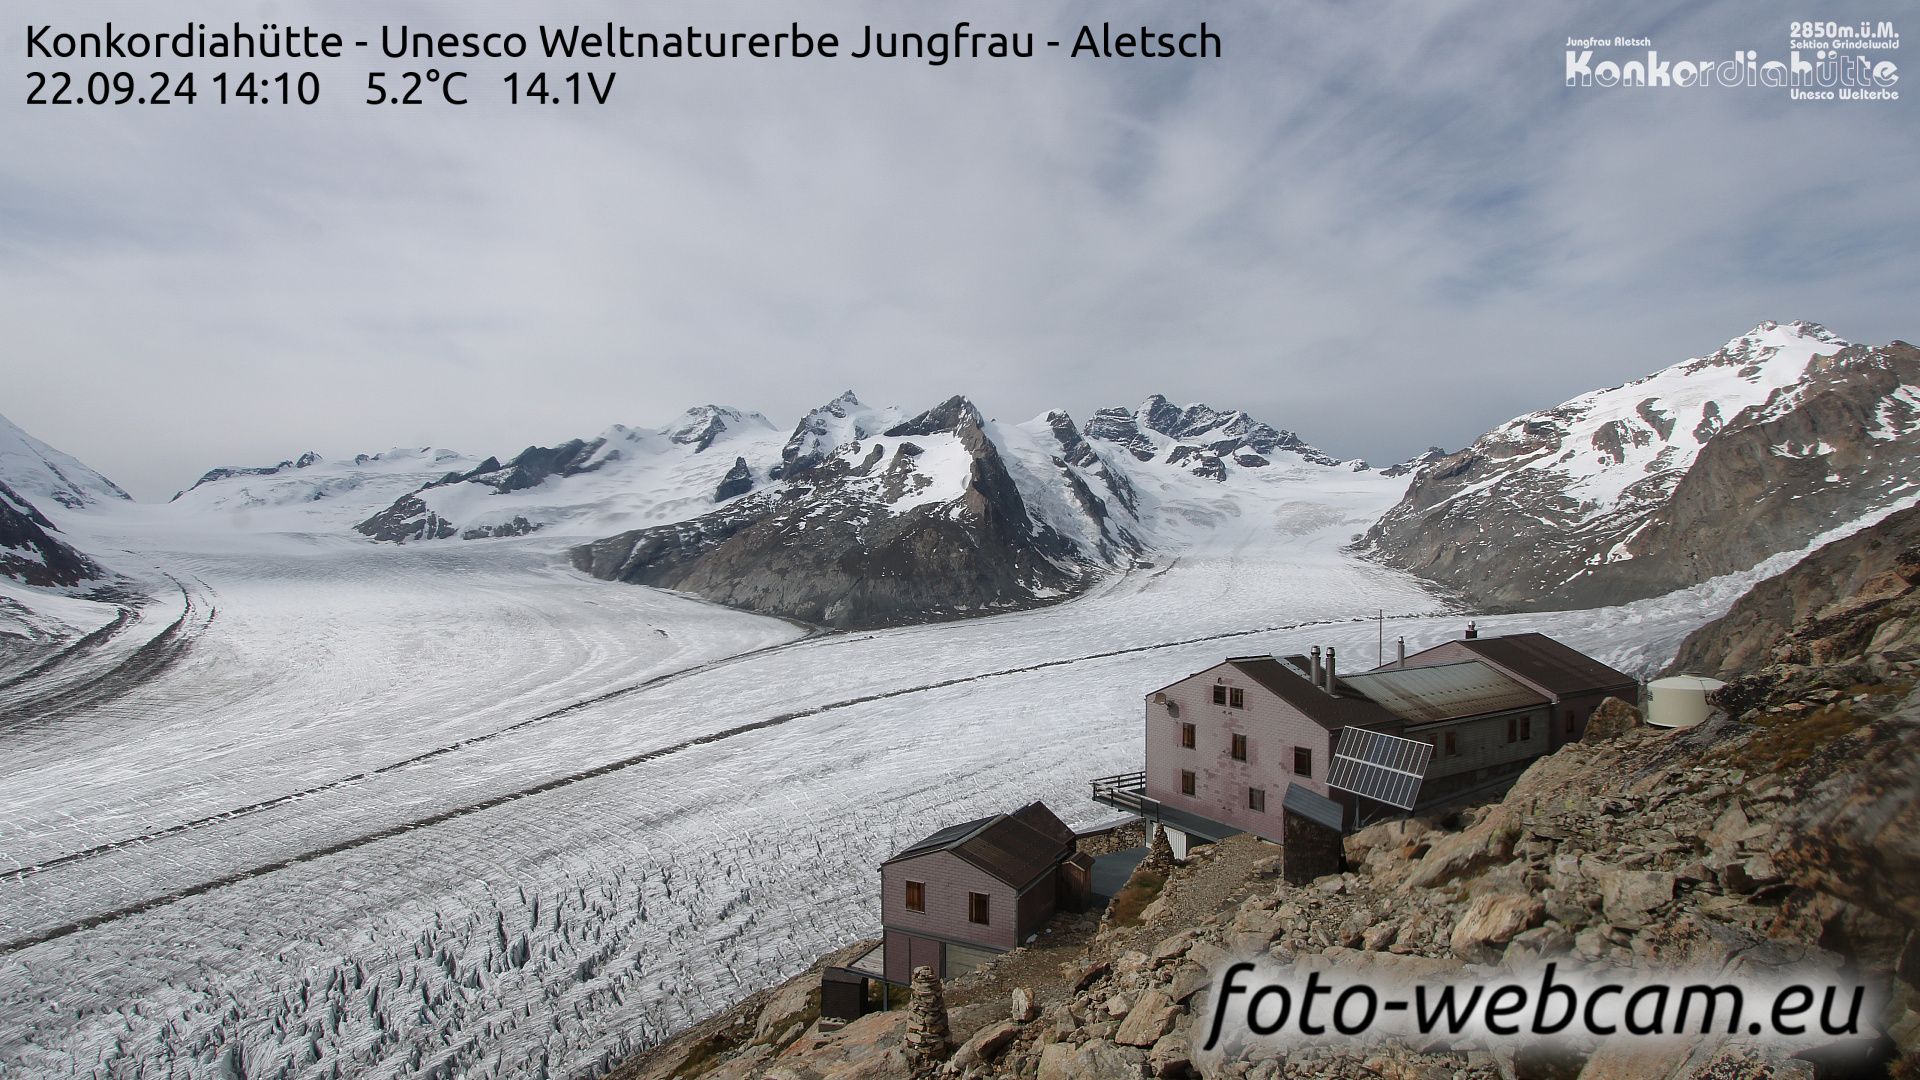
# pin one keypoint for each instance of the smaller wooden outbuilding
(970, 891)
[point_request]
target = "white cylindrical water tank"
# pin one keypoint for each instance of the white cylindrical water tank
(1679, 701)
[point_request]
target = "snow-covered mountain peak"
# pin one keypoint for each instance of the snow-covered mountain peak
(40, 473)
(703, 425)
(837, 424)
(1609, 444)
(1594, 491)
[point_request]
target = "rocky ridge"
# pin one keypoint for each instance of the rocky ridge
(31, 553)
(1781, 835)
(1199, 438)
(457, 504)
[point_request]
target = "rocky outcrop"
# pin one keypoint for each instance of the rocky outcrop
(1610, 720)
(228, 472)
(409, 518)
(1873, 566)
(737, 482)
(1702, 469)
(30, 552)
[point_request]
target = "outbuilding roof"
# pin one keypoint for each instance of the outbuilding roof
(1014, 848)
(1422, 695)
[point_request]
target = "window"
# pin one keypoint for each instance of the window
(1303, 761)
(916, 896)
(1453, 744)
(1239, 748)
(1570, 723)
(1257, 800)
(1513, 729)
(1186, 781)
(1187, 737)
(978, 908)
(1526, 728)
(1219, 694)
(1236, 698)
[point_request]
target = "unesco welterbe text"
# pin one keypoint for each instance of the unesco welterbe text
(958, 41)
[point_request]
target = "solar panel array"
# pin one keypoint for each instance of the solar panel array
(1385, 768)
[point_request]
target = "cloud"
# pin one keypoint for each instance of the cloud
(1381, 226)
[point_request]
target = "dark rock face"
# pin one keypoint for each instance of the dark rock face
(1433, 454)
(1872, 567)
(1493, 525)
(702, 425)
(738, 481)
(830, 547)
(306, 460)
(535, 464)
(407, 519)
(30, 553)
(518, 526)
(1119, 426)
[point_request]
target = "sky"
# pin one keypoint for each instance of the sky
(1383, 226)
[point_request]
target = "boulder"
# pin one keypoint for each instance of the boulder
(1750, 875)
(1095, 1059)
(1612, 719)
(1150, 1018)
(1541, 941)
(1171, 1056)
(1628, 897)
(985, 1045)
(1023, 1006)
(1487, 842)
(1173, 947)
(1493, 920)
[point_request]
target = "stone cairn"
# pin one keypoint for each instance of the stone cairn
(928, 1043)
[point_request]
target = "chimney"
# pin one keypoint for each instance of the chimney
(1330, 683)
(1316, 665)
(1400, 645)
(1472, 631)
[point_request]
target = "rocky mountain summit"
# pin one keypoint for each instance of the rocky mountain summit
(1781, 837)
(1701, 469)
(1198, 438)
